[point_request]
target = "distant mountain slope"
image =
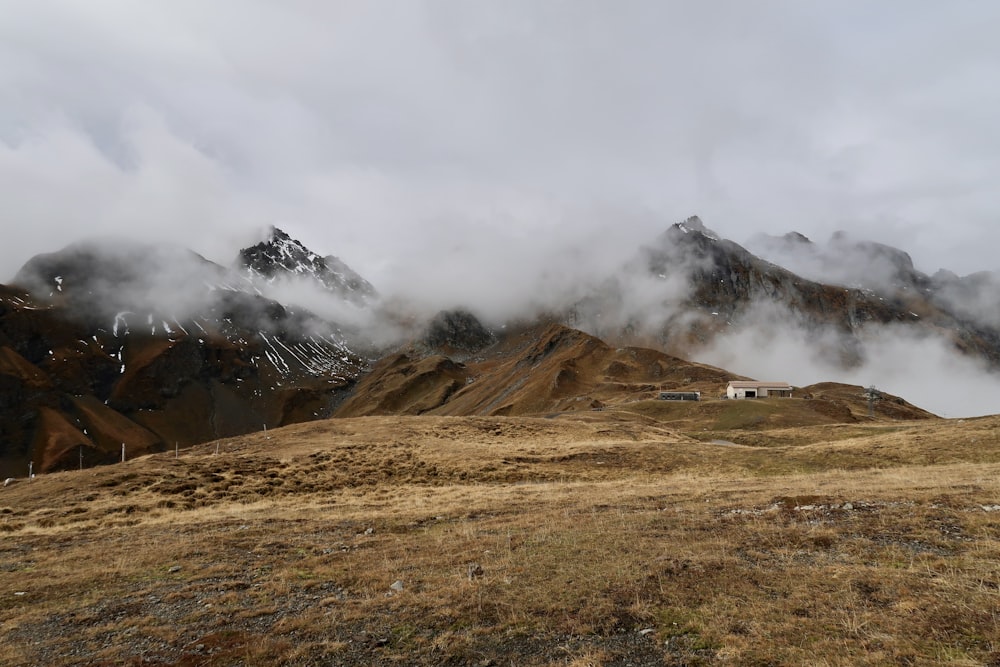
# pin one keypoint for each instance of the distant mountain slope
(696, 285)
(539, 369)
(885, 270)
(149, 346)
(842, 261)
(548, 369)
(106, 342)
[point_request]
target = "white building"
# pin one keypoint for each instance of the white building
(754, 389)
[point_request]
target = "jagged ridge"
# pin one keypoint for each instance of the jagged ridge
(152, 347)
(281, 256)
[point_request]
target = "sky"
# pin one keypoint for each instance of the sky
(497, 151)
(441, 144)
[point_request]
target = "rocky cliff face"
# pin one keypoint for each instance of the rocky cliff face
(103, 344)
(458, 331)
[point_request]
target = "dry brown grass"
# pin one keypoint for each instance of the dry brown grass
(600, 539)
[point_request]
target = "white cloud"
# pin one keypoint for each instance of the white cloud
(770, 343)
(63, 188)
(777, 117)
(498, 152)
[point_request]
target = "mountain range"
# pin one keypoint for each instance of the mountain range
(108, 344)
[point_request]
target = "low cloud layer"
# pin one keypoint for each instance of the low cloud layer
(927, 371)
(470, 138)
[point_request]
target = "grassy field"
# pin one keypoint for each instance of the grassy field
(605, 538)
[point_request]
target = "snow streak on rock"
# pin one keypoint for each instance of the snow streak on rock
(281, 257)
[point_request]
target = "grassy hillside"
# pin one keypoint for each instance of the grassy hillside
(602, 538)
(538, 370)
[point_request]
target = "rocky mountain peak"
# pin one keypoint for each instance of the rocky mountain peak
(874, 252)
(694, 224)
(458, 330)
(111, 341)
(280, 256)
(279, 253)
(796, 237)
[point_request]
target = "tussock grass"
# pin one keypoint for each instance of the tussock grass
(592, 540)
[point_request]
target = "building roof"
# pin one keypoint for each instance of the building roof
(753, 384)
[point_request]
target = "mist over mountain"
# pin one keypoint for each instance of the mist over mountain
(97, 279)
(704, 297)
(846, 261)
(112, 341)
(282, 259)
(842, 260)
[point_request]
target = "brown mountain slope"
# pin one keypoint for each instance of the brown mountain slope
(852, 397)
(538, 370)
(69, 387)
(549, 369)
(110, 341)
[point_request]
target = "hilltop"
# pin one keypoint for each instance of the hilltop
(549, 369)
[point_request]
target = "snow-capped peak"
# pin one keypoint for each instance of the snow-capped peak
(281, 256)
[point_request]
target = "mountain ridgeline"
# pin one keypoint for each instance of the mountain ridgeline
(106, 343)
(280, 257)
(713, 286)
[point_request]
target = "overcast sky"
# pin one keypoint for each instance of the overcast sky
(422, 141)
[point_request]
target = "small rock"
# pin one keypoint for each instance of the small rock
(21, 593)
(397, 585)
(848, 506)
(369, 531)
(647, 631)
(474, 571)
(174, 569)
